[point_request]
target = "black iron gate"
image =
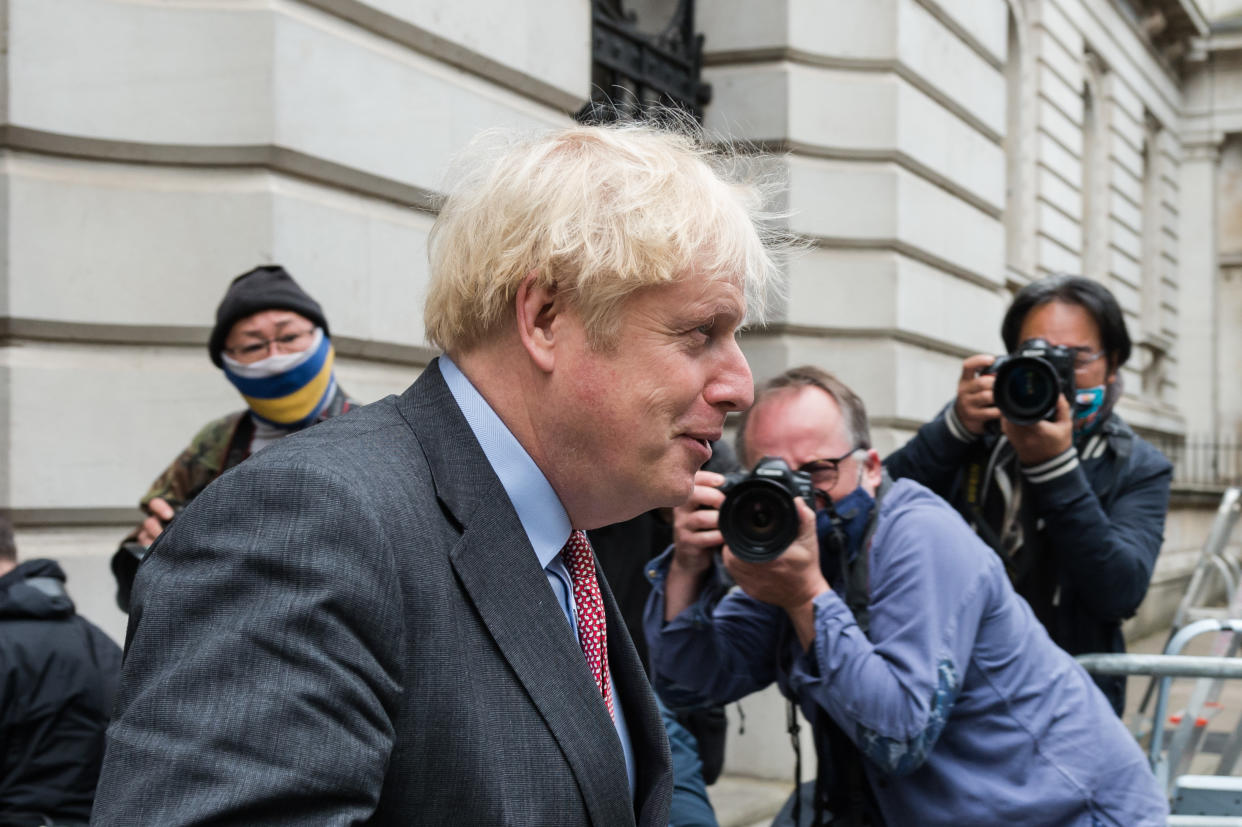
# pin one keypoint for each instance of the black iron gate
(633, 71)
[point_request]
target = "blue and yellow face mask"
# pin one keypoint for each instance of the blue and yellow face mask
(287, 389)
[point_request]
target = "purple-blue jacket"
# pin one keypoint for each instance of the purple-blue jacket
(965, 709)
(1098, 514)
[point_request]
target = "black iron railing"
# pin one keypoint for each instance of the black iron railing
(1203, 461)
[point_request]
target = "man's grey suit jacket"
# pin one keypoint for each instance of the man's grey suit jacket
(351, 627)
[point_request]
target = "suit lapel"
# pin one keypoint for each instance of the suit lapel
(501, 575)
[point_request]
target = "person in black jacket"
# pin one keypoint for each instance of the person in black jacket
(1075, 506)
(58, 676)
(624, 550)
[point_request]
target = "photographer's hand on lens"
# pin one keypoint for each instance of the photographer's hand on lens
(695, 533)
(791, 581)
(161, 513)
(974, 405)
(1043, 440)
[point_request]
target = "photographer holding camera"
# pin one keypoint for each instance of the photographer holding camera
(891, 625)
(1035, 459)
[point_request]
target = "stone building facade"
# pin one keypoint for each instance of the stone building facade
(938, 154)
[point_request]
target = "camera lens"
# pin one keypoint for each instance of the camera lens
(755, 517)
(1026, 390)
(758, 520)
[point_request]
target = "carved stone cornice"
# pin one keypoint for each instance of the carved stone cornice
(1202, 144)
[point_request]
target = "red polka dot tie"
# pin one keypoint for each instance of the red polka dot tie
(592, 629)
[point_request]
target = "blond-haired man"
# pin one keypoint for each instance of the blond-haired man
(394, 617)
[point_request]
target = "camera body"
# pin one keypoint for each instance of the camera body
(1031, 379)
(758, 518)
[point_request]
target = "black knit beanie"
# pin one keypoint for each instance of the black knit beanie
(263, 288)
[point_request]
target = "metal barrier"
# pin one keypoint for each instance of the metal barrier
(1212, 561)
(1163, 668)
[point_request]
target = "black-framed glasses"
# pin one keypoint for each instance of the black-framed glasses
(284, 344)
(824, 472)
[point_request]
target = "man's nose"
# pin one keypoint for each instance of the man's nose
(731, 387)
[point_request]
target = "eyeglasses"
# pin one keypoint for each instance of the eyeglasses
(285, 343)
(824, 472)
(1083, 357)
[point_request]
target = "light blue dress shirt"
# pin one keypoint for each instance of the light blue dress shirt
(537, 506)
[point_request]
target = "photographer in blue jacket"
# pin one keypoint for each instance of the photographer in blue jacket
(892, 626)
(1070, 498)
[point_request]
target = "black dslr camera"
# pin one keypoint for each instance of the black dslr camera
(1029, 381)
(758, 517)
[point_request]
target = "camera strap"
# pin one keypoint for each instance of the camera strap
(795, 730)
(979, 471)
(858, 570)
(846, 795)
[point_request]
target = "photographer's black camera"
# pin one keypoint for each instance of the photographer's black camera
(758, 517)
(1030, 380)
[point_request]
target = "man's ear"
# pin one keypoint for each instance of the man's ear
(873, 469)
(537, 310)
(1113, 369)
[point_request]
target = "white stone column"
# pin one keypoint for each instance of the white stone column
(1199, 271)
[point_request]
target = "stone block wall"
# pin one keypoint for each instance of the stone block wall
(890, 117)
(154, 151)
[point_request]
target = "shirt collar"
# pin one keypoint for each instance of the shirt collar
(538, 508)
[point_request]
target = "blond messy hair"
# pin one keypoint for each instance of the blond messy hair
(599, 212)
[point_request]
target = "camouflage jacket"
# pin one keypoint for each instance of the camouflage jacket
(221, 444)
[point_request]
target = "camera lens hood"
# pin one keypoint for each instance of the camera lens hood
(1026, 389)
(758, 519)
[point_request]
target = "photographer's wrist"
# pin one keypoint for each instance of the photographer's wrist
(802, 617)
(690, 563)
(1051, 468)
(960, 427)
(683, 587)
(807, 591)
